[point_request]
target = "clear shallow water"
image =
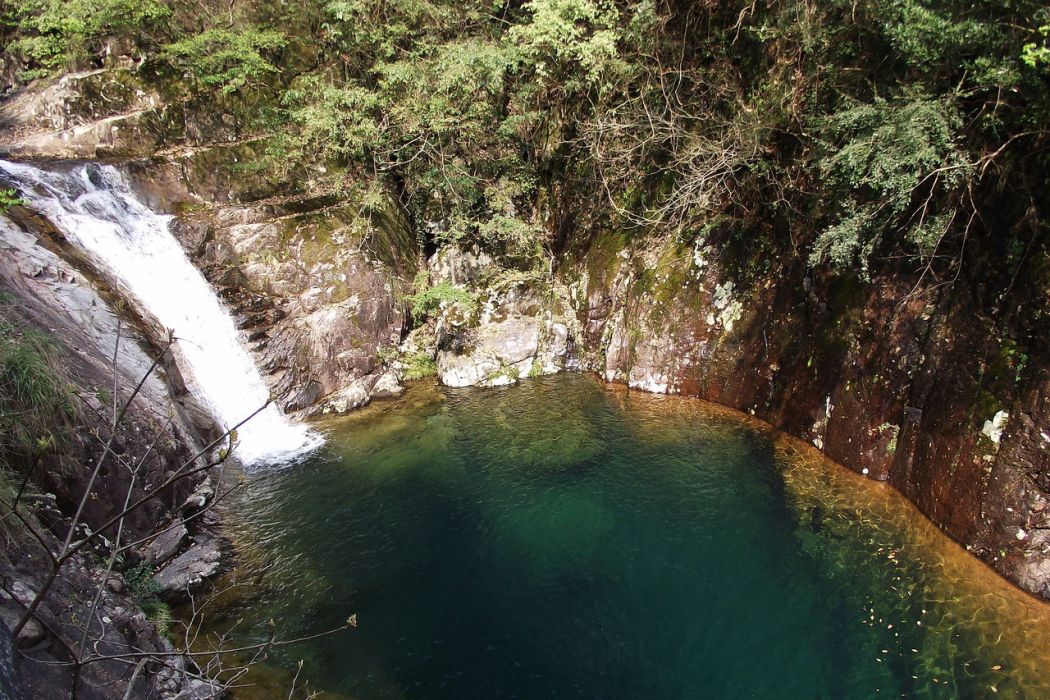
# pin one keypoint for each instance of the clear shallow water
(562, 539)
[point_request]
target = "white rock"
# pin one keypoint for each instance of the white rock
(994, 427)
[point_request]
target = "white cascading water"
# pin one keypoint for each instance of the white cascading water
(132, 246)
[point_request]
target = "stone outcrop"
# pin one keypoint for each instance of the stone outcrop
(316, 288)
(97, 113)
(127, 110)
(518, 330)
(165, 545)
(188, 572)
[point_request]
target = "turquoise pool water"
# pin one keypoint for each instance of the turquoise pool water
(558, 539)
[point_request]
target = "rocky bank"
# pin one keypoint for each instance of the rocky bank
(104, 356)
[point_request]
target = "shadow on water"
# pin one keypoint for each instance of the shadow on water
(564, 539)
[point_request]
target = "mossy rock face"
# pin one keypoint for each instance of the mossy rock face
(79, 98)
(235, 172)
(315, 279)
(603, 259)
(104, 93)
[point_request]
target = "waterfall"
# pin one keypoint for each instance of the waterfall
(132, 247)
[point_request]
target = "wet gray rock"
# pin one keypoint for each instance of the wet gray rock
(21, 592)
(165, 545)
(12, 606)
(514, 338)
(520, 328)
(354, 396)
(501, 354)
(200, 497)
(190, 571)
(387, 387)
(30, 635)
(195, 689)
(8, 683)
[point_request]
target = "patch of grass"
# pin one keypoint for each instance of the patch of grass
(145, 591)
(419, 366)
(36, 398)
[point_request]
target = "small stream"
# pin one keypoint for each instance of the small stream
(561, 538)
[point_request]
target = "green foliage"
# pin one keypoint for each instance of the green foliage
(894, 433)
(1037, 54)
(430, 97)
(910, 103)
(56, 34)
(883, 156)
(9, 198)
(866, 128)
(419, 365)
(36, 403)
(337, 122)
(145, 591)
(368, 30)
(224, 59)
(427, 300)
(141, 583)
(924, 35)
(570, 38)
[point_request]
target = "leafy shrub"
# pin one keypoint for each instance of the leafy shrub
(226, 59)
(1037, 54)
(336, 122)
(145, 591)
(427, 300)
(8, 199)
(883, 156)
(57, 34)
(563, 37)
(418, 365)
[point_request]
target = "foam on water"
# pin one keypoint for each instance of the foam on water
(133, 248)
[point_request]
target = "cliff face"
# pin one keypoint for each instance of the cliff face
(312, 272)
(901, 377)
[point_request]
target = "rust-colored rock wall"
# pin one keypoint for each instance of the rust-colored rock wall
(895, 378)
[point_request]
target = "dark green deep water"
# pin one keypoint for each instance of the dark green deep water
(559, 540)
